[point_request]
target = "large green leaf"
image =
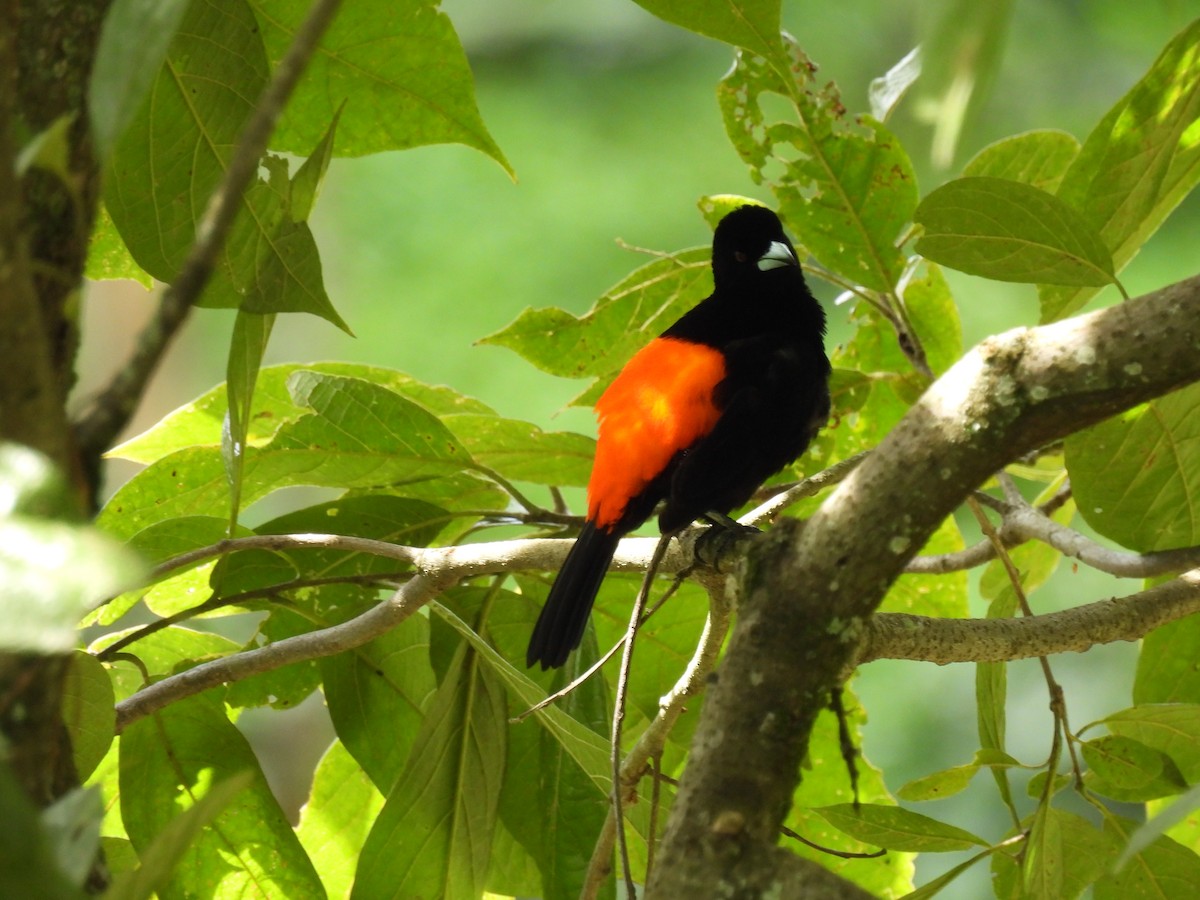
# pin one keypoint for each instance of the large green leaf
(1173, 728)
(359, 434)
(248, 848)
(1063, 855)
(53, 568)
(133, 43)
(335, 821)
(753, 24)
(1138, 163)
(895, 828)
(199, 422)
(174, 153)
(433, 837)
(1136, 477)
(1167, 670)
(376, 696)
(847, 187)
(158, 860)
(522, 451)
(1037, 158)
(400, 64)
(1009, 231)
(1166, 868)
(87, 711)
(626, 317)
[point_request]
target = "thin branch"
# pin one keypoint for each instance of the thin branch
(378, 580)
(407, 599)
(943, 641)
(654, 738)
(111, 410)
(809, 487)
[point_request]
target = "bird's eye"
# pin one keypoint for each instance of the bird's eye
(740, 256)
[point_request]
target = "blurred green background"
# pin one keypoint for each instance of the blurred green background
(609, 118)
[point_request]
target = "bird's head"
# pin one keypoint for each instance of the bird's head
(748, 242)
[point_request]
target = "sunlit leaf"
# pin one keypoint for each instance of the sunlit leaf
(1137, 164)
(1010, 231)
(847, 187)
(402, 66)
(1036, 158)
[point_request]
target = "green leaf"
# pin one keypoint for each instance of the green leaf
(896, 828)
(1009, 231)
(307, 182)
(583, 744)
(251, 332)
(54, 568)
(27, 864)
(599, 343)
(1138, 163)
(522, 451)
(108, 257)
(949, 782)
(359, 434)
(49, 150)
(1173, 728)
(1166, 669)
(1165, 868)
(133, 43)
(1122, 761)
(934, 316)
(991, 698)
(335, 821)
(164, 652)
(1136, 476)
(826, 783)
(401, 64)
(753, 24)
(1064, 854)
(87, 710)
(376, 696)
(199, 422)
(847, 189)
(433, 837)
(163, 855)
(174, 152)
(1179, 811)
(1037, 158)
(181, 752)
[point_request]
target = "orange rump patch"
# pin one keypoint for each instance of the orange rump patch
(661, 403)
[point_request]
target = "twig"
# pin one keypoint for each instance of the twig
(407, 599)
(111, 410)
(635, 621)
(378, 579)
(670, 707)
(809, 487)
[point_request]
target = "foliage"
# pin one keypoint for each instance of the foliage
(432, 788)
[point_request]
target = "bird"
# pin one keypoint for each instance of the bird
(701, 416)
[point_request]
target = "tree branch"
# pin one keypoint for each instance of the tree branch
(111, 410)
(1011, 394)
(942, 641)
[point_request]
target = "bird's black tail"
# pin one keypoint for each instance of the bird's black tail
(560, 627)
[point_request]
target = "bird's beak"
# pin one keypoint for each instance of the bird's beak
(777, 255)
